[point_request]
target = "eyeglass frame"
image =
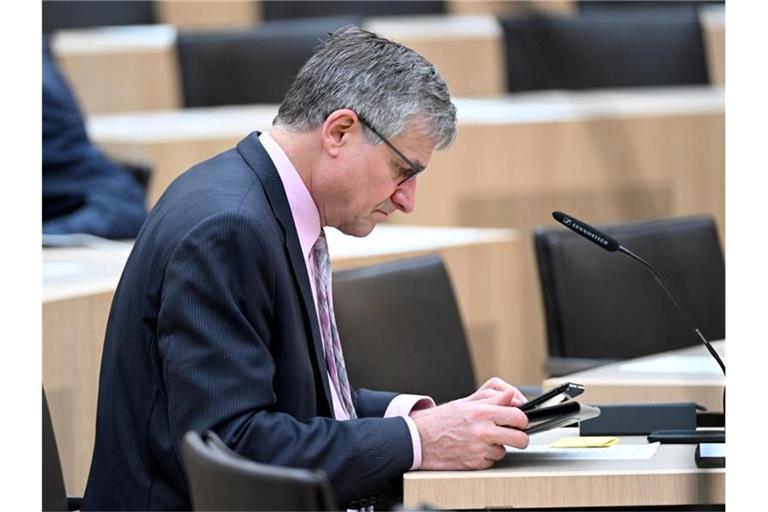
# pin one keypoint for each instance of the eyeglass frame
(415, 169)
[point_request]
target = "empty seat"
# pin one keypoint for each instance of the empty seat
(244, 66)
(601, 306)
(220, 479)
(309, 9)
(401, 329)
(616, 48)
(72, 14)
(601, 6)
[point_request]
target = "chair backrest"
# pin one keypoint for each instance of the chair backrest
(54, 493)
(613, 49)
(312, 8)
(72, 14)
(252, 65)
(601, 305)
(592, 6)
(401, 329)
(220, 479)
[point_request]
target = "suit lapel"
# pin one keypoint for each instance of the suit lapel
(258, 159)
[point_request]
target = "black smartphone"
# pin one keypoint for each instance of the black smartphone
(560, 415)
(554, 396)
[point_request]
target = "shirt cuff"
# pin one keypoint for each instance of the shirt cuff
(402, 405)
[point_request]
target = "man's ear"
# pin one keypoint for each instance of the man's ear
(336, 130)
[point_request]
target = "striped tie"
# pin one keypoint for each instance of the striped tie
(334, 358)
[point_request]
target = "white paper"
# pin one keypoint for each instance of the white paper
(674, 364)
(615, 452)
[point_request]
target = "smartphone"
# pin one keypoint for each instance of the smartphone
(560, 415)
(556, 395)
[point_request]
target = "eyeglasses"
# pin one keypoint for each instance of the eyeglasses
(415, 169)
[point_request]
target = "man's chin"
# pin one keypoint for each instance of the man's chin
(359, 230)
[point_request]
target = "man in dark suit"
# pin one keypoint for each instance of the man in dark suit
(223, 318)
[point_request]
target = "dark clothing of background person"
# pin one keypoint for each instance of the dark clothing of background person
(83, 191)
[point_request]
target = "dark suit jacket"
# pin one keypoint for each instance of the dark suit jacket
(83, 190)
(213, 326)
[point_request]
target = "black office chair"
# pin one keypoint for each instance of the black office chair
(602, 307)
(220, 479)
(586, 7)
(401, 329)
(616, 48)
(311, 9)
(73, 14)
(54, 493)
(252, 65)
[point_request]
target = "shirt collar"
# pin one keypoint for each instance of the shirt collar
(303, 207)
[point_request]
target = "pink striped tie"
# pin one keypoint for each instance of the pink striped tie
(334, 358)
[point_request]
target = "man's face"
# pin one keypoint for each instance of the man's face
(368, 186)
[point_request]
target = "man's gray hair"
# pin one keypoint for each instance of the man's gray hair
(385, 83)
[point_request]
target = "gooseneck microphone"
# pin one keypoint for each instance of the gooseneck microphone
(611, 245)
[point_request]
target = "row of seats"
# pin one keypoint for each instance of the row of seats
(599, 308)
(535, 51)
(71, 14)
(59, 15)
(542, 52)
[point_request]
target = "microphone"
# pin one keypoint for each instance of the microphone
(611, 245)
(587, 231)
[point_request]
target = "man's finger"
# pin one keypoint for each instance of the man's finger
(508, 437)
(500, 398)
(507, 416)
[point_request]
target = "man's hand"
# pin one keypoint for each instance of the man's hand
(493, 387)
(469, 433)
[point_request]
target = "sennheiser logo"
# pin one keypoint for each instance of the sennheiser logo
(586, 232)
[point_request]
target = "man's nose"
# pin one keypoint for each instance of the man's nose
(404, 197)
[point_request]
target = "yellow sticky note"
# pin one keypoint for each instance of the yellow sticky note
(585, 442)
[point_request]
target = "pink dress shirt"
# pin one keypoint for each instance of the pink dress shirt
(307, 221)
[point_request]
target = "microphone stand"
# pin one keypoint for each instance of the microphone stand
(680, 308)
(609, 244)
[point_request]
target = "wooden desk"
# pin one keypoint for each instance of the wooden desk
(468, 51)
(78, 286)
(507, 7)
(606, 156)
(685, 375)
(208, 13)
(669, 478)
(120, 69)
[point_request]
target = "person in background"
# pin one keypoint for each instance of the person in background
(83, 191)
(223, 318)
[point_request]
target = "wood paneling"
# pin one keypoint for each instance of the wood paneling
(119, 69)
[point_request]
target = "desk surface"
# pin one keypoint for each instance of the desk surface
(76, 271)
(537, 107)
(670, 477)
(688, 374)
